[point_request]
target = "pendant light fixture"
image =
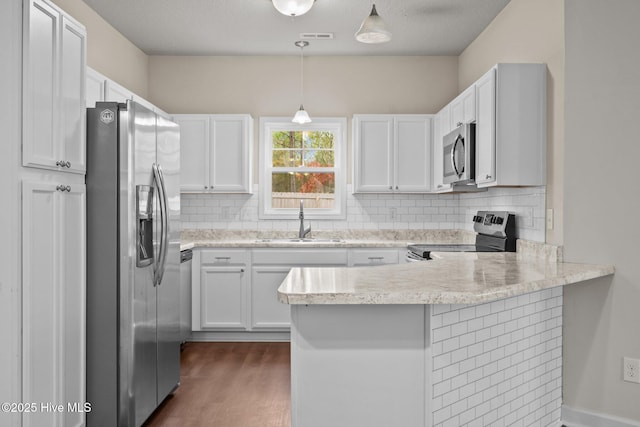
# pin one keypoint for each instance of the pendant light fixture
(293, 7)
(373, 29)
(301, 116)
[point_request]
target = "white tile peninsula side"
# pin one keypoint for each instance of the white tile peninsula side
(463, 340)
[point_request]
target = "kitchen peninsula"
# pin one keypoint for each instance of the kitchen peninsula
(464, 338)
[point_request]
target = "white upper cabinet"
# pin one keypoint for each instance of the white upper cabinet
(215, 152)
(463, 108)
(96, 84)
(441, 126)
(392, 153)
(113, 92)
(54, 59)
(511, 126)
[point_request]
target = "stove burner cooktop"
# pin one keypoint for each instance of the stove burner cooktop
(495, 233)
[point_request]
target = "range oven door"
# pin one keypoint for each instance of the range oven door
(458, 155)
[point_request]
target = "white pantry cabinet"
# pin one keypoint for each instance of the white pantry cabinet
(54, 61)
(215, 152)
(53, 308)
(392, 153)
(220, 289)
(511, 126)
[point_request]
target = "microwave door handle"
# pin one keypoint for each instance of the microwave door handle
(453, 154)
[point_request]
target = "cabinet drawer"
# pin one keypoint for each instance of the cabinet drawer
(224, 256)
(295, 257)
(373, 257)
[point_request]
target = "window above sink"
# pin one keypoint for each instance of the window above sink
(302, 162)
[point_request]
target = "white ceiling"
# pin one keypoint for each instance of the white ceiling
(254, 27)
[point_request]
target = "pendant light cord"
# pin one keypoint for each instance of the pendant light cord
(301, 44)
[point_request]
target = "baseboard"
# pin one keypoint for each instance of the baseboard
(231, 336)
(577, 417)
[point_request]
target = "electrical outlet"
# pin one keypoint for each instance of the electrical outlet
(631, 370)
(393, 213)
(549, 219)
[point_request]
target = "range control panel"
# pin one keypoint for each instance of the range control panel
(495, 223)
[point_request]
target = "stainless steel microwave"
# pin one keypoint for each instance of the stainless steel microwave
(458, 155)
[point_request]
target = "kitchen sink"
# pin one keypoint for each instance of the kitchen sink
(297, 240)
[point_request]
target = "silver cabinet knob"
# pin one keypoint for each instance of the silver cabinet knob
(488, 177)
(63, 188)
(458, 124)
(439, 185)
(63, 164)
(397, 187)
(391, 187)
(205, 187)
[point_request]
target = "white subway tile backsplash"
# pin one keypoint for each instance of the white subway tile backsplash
(508, 373)
(373, 211)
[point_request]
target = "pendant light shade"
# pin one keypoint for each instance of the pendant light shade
(293, 7)
(373, 29)
(301, 116)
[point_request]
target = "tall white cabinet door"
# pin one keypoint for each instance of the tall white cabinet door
(373, 152)
(223, 293)
(72, 96)
(266, 311)
(40, 85)
(54, 61)
(53, 241)
(486, 129)
(228, 153)
(412, 153)
(194, 152)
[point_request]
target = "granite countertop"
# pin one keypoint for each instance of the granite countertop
(451, 278)
(320, 239)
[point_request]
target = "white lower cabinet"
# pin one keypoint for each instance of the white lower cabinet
(53, 300)
(270, 267)
(237, 289)
(220, 289)
(266, 311)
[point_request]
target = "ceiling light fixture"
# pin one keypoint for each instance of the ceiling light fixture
(301, 116)
(373, 29)
(293, 7)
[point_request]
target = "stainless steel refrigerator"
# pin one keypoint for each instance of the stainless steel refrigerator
(133, 262)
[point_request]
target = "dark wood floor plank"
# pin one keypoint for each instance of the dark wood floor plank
(230, 385)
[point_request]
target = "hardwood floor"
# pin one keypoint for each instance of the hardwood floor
(230, 385)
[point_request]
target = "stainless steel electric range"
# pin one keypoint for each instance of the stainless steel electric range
(496, 232)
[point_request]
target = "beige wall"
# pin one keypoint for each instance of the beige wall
(333, 86)
(529, 31)
(108, 51)
(602, 317)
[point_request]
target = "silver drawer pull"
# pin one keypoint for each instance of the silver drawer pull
(63, 188)
(376, 258)
(223, 258)
(488, 177)
(63, 164)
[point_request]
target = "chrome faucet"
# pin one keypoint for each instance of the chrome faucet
(303, 231)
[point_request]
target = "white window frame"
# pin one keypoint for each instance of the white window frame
(337, 125)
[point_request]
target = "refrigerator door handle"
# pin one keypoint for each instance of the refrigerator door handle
(164, 225)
